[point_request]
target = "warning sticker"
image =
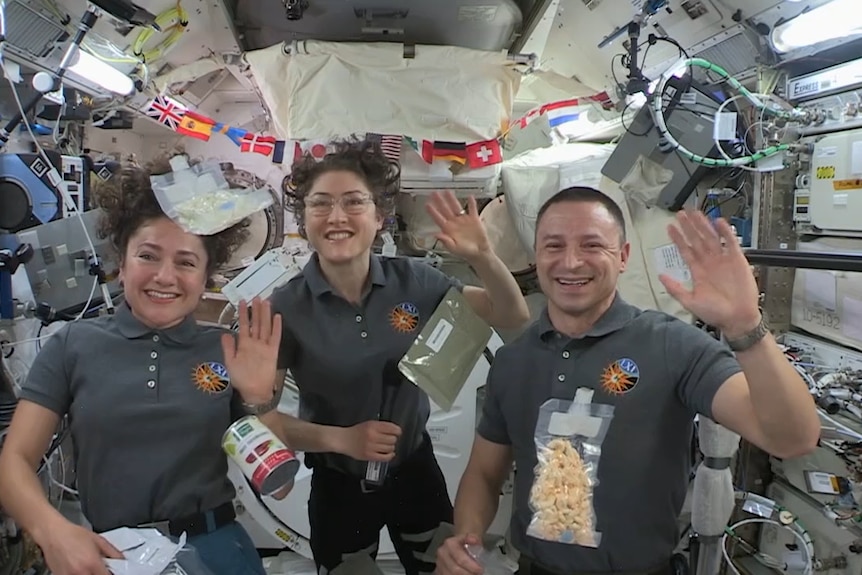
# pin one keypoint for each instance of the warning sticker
(825, 172)
(820, 482)
(669, 261)
(847, 185)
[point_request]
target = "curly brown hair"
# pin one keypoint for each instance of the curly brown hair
(128, 202)
(364, 158)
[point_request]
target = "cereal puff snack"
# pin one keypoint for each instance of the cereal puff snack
(568, 442)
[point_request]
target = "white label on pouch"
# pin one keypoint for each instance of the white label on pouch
(438, 337)
(574, 424)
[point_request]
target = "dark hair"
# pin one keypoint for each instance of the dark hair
(128, 202)
(586, 195)
(364, 158)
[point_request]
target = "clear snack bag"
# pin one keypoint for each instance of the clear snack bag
(148, 552)
(491, 560)
(201, 201)
(569, 438)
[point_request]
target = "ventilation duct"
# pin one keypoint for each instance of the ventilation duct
(31, 34)
(735, 49)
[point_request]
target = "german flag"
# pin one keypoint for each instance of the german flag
(449, 151)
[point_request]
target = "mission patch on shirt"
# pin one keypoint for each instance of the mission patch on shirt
(658, 372)
(339, 354)
(147, 409)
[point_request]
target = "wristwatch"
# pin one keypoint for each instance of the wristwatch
(749, 339)
(261, 408)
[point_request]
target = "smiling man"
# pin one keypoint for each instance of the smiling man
(657, 372)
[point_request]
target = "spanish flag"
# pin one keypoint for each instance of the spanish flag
(196, 126)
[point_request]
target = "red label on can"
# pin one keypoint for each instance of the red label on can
(268, 465)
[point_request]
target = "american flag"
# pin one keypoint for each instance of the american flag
(165, 111)
(391, 145)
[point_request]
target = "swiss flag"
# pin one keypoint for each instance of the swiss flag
(483, 154)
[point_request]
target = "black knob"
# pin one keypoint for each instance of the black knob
(829, 404)
(24, 253)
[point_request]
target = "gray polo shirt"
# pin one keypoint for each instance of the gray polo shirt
(339, 353)
(674, 371)
(147, 411)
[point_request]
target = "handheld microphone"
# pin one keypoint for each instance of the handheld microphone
(376, 471)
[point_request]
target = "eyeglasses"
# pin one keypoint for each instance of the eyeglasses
(323, 205)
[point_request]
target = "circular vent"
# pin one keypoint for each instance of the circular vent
(266, 229)
(15, 207)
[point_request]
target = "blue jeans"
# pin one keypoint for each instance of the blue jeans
(226, 551)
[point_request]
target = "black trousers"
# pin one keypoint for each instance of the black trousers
(346, 521)
(528, 567)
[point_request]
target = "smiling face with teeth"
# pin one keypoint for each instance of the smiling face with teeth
(164, 273)
(580, 253)
(341, 220)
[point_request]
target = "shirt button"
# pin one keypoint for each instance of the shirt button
(363, 335)
(151, 384)
(152, 368)
(566, 354)
(561, 377)
(155, 338)
(358, 318)
(154, 355)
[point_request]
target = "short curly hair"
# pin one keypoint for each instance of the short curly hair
(365, 158)
(128, 202)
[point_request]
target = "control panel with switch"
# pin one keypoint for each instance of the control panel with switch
(61, 271)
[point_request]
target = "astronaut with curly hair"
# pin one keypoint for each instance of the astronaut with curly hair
(348, 318)
(148, 398)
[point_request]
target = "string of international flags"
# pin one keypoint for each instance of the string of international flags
(475, 155)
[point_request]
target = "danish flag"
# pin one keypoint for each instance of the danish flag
(258, 144)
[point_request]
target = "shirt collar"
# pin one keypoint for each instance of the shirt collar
(319, 285)
(132, 328)
(616, 317)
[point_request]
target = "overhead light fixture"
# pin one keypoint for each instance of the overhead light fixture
(100, 73)
(831, 21)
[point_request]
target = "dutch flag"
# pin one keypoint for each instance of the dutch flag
(562, 115)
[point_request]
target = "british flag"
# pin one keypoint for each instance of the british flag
(391, 145)
(166, 111)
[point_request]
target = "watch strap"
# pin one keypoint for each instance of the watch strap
(749, 339)
(261, 408)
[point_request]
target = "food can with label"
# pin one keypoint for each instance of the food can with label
(263, 458)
